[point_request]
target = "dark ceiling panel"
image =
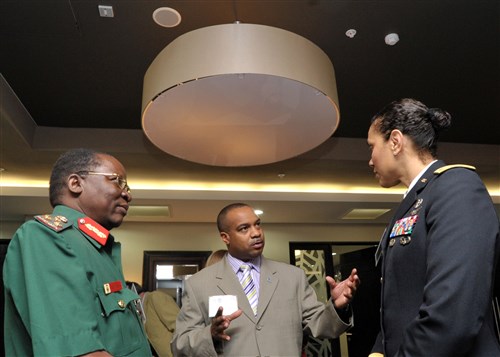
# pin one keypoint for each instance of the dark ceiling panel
(72, 68)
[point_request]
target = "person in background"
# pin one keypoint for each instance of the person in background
(65, 294)
(276, 305)
(158, 312)
(216, 256)
(440, 250)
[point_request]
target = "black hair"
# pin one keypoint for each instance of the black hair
(414, 119)
(70, 162)
(221, 218)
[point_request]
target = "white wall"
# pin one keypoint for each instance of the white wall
(138, 237)
(8, 228)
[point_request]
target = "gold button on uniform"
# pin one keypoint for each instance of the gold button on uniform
(121, 303)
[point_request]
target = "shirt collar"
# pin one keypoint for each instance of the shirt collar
(236, 263)
(415, 180)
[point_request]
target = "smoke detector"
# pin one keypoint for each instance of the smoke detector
(350, 33)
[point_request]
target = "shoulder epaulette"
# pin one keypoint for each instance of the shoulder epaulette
(56, 223)
(449, 167)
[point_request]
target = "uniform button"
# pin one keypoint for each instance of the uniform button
(259, 327)
(121, 303)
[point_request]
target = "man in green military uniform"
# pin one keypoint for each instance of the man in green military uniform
(65, 294)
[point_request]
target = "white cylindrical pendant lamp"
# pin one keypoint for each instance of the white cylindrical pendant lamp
(239, 95)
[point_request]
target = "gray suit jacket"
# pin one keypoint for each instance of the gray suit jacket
(287, 309)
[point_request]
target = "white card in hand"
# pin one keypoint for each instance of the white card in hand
(229, 304)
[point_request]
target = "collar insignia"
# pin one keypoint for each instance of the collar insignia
(94, 230)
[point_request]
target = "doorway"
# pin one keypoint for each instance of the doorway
(337, 260)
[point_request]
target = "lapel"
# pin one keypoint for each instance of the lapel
(411, 197)
(269, 279)
(228, 283)
(422, 183)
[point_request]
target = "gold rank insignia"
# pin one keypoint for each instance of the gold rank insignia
(449, 167)
(56, 223)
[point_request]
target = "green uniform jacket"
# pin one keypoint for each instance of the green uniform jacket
(55, 300)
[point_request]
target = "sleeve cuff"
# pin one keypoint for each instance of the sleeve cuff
(345, 313)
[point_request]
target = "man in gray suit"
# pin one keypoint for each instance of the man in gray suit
(286, 306)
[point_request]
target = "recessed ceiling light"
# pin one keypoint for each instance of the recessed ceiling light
(365, 213)
(167, 17)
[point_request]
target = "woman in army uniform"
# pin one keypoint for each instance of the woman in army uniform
(440, 249)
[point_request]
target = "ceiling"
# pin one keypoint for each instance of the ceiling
(72, 78)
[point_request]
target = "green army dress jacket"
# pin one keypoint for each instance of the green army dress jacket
(65, 293)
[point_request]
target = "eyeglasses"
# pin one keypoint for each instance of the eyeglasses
(120, 181)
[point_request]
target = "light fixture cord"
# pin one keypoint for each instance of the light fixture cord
(77, 25)
(235, 12)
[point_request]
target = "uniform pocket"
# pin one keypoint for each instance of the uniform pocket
(121, 326)
(117, 301)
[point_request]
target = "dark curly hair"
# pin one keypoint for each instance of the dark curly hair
(414, 119)
(70, 162)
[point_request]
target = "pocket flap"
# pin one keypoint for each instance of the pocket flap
(116, 301)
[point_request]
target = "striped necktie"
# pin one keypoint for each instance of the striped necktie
(249, 287)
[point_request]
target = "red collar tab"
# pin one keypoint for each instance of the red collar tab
(112, 287)
(93, 229)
